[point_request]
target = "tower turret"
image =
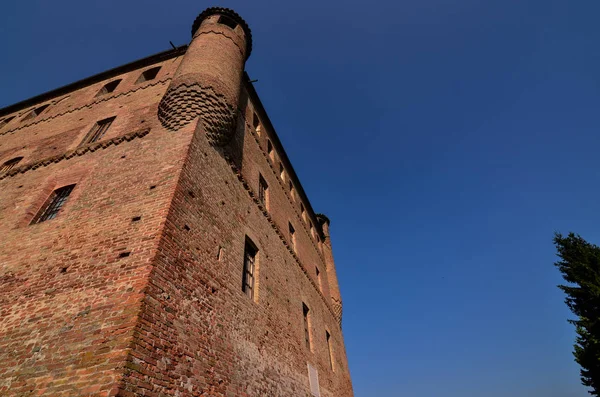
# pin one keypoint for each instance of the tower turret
(334, 288)
(207, 81)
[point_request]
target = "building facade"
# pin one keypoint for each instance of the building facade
(156, 240)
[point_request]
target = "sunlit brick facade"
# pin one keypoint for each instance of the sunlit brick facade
(156, 241)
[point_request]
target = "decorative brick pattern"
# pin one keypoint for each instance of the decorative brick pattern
(181, 105)
(77, 152)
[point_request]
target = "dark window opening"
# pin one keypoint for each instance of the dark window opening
(318, 273)
(292, 236)
(109, 87)
(98, 131)
(224, 20)
(248, 277)
(306, 325)
(328, 338)
(53, 205)
(263, 191)
(281, 171)
(147, 75)
(270, 150)
(35, 112)
(255, 121)
(10, 164)
(6, 121)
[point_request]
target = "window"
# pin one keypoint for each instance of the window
(248, 277)
(318, 274)
(52, 206)
(263, 191)
(224, 20)
(270, 150)
(6, 121)
(292, 237)
(291, 185)
(109, 87)
(97, 131)
(312, 229)
(281, 172)
(313, 381)
(306, 325)
(256, 123)
(302, 212)
(35, 112)
(147, 75)
(329, 349)
(10, 164)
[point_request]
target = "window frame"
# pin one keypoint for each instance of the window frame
(98, 131)
(53, 204)
(250, 269)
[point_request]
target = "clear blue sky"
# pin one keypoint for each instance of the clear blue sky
(446, 140)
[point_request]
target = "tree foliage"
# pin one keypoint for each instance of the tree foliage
(580, 267)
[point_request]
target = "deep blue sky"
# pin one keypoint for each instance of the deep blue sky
(446, 140)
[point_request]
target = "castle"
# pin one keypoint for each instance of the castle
(156, 240)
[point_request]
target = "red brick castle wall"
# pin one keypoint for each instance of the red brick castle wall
(135, 287)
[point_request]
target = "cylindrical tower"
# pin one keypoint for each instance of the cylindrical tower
(334, 287)
(207, 81)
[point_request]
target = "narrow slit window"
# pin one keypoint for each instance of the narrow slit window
(305, 315)
(35, 112)
(292, 237)
(292, 193)
(53, 204)
(108, 87)
(249, 276)
(270, 150)
(256, 123)
(319, 283)
(263, 191)
(98, 131)
(329, 349)
(10, 164)
(281, 172)
(147, 75)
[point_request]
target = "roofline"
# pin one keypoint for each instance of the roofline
(152, 59)
(281, 151)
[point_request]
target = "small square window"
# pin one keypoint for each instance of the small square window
(109, 87)
(35, 112)
(53, 204)
(6, 121)
(147, 75)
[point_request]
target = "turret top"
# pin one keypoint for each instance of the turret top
(227, 12)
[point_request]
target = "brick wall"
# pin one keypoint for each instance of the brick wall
(135, 288)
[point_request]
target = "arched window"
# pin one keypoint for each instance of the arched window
(10, 164)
